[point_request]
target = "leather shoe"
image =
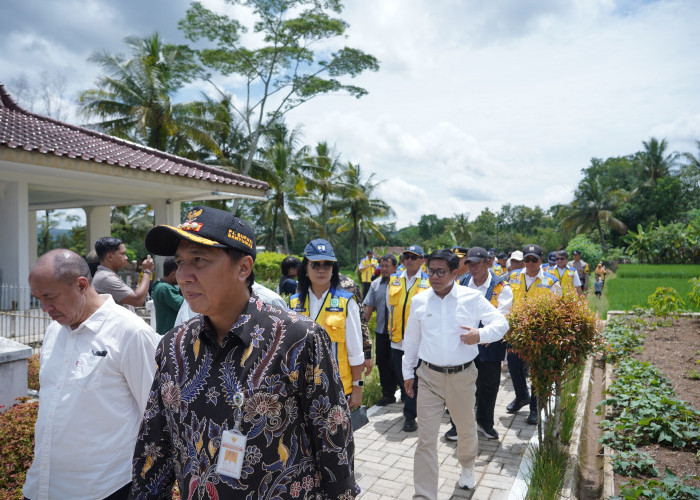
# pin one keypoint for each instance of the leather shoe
(410, 425)
(532, 418)
(516, 404)
(385, 401)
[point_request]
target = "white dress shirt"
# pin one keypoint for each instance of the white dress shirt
(505, 298)
(433, 330)
(529, 280)
(94, 382)
(409, 283)
(353, 331)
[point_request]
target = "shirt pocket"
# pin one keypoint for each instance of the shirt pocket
(335, 326)
(88, 370)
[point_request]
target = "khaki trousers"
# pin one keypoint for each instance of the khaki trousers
(437, 390)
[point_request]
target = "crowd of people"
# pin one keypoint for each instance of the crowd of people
(240, 394)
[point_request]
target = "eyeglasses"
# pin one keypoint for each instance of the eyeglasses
(440, 272)
(561, 258)
(531, 259)
(323, 264)
(410, 256)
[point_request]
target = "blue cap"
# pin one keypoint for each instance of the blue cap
(319, 249)
(415, 249)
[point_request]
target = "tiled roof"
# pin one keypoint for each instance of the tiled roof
(32, 132)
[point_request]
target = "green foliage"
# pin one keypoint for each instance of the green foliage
(675, 243)
(623, 336)
(591, 252)
(694, 293)
(33, 372)
(634, 283)
(665, 302)
(17, 445)
(547, 472)
(668, 488)
(268, 267)
(634, 463)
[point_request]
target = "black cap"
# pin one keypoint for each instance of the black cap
(460, 251)
(205, 226)
(476, 254)
(576, 252)
(535, 250)
(502, 255)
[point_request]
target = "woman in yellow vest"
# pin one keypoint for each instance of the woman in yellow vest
(321, 298)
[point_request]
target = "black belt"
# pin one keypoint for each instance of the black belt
(448, 369)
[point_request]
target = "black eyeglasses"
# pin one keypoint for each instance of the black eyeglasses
(321, 264)
(410, 256)
(561, 258)
(440, 272)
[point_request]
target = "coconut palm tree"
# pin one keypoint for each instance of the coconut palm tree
(133, 96)
(324, 184)
(356, 208)
(654, 160)
(592, 207)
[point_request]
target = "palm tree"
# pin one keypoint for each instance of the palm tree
(282, 167)
(356, 208)
(460, 229)
(133, 97)
(654, 162)
(592, 207)
(324, 185)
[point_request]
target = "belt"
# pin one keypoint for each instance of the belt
(448, 369)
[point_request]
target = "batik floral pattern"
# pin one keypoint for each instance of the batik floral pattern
(294, 415)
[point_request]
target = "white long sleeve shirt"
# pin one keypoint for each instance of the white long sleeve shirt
(434, 327)
(94, 382)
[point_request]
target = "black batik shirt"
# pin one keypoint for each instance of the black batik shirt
(295, 415)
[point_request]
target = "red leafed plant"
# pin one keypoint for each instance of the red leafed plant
(17, 445)
(554, 334)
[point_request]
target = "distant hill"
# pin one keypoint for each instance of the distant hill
(54, 232)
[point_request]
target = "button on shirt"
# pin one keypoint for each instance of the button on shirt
(94, 387)
(433, 330)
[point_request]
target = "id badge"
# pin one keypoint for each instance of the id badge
(231, 454)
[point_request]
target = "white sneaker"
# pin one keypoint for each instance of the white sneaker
(467, 479)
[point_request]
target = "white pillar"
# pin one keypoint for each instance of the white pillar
(165, 212)
(97, 224)
(33, 243)
(14, 243)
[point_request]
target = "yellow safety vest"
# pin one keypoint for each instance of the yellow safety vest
(567, 280)
(497, 269)
(368, 266)
(332, 318)
(540, 286)
(400, 302)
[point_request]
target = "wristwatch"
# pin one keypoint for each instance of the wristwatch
(358, 383)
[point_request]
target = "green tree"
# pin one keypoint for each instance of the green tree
(459, 228)
(324, 185)
(282, 167)
(130, 223)
(133, 95)
(357, 208)
(289, 68)
(593, 207)
(654, 161)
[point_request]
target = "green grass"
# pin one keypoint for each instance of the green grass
(658, 271)
(626, 293)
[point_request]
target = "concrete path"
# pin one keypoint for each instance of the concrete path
(384, 455)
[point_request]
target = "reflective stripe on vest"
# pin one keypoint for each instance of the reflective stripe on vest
(400, 302)
(331, 317)
(566, 281)
(540, 286)
(369, 265)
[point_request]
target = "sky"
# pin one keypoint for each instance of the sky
(476, 104)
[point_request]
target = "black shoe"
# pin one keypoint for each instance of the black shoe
(385, 401)
(490, 433)
(410, 425)
(532, 418)
(516, 404)
(451, 435)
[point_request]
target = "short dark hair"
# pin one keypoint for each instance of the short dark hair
(288, 263)
(390, 257)
(169, 266)
(237, 255)
(445, 254)
(105, 245)
(562, 253)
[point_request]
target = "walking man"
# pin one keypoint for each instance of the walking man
(366, 268)
(582, 268)
(445, 326)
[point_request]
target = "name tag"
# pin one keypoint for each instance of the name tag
(334, 309)
(231, 454)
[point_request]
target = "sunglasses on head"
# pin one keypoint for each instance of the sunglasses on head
(531, 259)
(321, 264)
(410, 256)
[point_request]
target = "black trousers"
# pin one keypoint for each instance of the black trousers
(410, 410)
(488, 382)
(387, 377)
(121, 494)
(518, 369)
(365, 287)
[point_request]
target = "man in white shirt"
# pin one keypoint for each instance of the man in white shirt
(443, 332)
(97, 366)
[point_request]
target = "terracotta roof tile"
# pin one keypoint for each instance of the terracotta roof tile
(32, 132)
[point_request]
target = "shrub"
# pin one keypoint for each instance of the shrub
(590, 252)
(267, 266)
(554, 334)
(694, 293)
(665, 302)
(33, 372)
(17, 445)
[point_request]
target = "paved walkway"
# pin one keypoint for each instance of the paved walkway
(384, 455)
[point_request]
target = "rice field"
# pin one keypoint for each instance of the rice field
(633, 283)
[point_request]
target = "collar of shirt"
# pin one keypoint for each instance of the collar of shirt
(96, 319)
(483, 287)
(411, 279)
(237, 331)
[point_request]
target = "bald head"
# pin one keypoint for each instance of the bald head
(63, 265)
